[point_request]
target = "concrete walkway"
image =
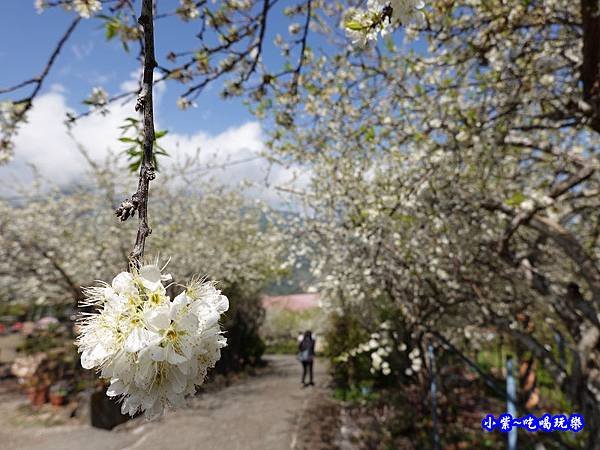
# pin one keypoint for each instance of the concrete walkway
(259, 413)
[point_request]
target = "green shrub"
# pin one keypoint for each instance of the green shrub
(241, 324)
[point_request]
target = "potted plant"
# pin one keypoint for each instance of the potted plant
(40, 395)
(58, 393)
(38, 386)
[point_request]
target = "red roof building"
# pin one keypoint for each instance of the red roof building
(294, 302)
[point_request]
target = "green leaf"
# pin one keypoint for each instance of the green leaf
(389, 43)
(129, 140)
(472, 115)
(516, 199)
(111, 30)
(370, 135)
(406, 219)
(354, 25)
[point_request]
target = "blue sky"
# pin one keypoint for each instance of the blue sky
(223, 129)
(27, 39)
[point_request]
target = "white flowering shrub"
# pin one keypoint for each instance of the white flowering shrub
(154, 350)
(45, 255)
(380, 347)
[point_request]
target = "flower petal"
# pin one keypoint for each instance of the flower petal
(117, 387)
(157, 353)
(151, 277)
(173, 357)
(123, 283)
(158, 317)
(138, 339)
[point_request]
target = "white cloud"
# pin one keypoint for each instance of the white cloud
(83, 50)
(233, 155)
(133, 82)
(44, 142)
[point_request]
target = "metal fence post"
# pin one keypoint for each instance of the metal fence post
(436, 437)
(561, 348)
(511, 394)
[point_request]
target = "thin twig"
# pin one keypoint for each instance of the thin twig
(26, 103)
(302, 56)
(139, 200)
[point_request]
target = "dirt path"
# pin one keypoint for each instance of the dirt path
(261, 412)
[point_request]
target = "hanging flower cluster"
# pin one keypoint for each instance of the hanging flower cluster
(380, 16)
(154, 350)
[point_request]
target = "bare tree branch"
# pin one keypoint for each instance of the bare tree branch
(565, 240)
(303, 40)
(575, 179)
(26, 103)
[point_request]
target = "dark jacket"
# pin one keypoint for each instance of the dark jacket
(307, 344)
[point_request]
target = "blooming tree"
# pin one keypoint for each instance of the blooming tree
(457, 183)
(460, 184)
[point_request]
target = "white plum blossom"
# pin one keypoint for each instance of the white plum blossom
(97, 99)
(184, 103)
(153, 350)
(527, 205)
(188, 10)
(377, 360)
(40, 5)
(363, 26)
(87, 8)
(406, 11)
(385, 368)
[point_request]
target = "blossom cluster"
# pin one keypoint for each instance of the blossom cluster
(380, 346)
(10, 114)
(85, 8)
(98, 99)
(380, 16)
(188, 10)
(154, 350)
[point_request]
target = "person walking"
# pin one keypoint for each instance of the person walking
(306, 356)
